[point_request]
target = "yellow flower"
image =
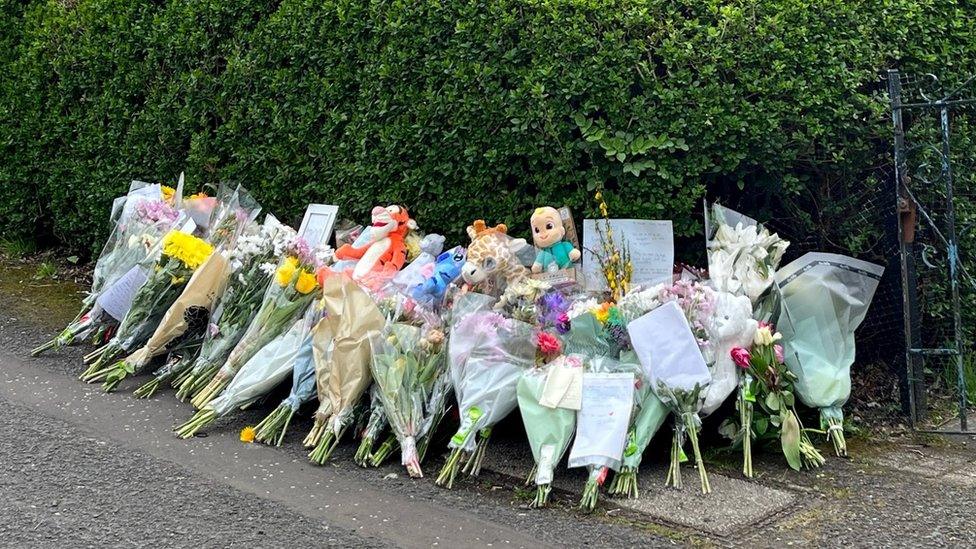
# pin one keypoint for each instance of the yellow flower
(247, 434)
(602, 313)
(286, 271)
(306, 282)
(168, 193)
(188, 249)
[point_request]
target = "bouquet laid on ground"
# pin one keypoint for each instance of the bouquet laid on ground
(742, 254)
(549, 425)
(824, 298)
(285, 300)
(182, 326)
(137, 230)
(669, 352)
(342, 359)
(768, 381)
(252, 269)
(488, 354)
(260, 374)
(376, 427)
(182, 254)
(407, 361)
(272, 429)
(603, 421)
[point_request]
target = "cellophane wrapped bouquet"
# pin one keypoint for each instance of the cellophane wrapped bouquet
(406, 362)
(669, 352)
(181, 256)
(488, 353)
(140, 225)
(184, 324)
(271, 365)
(288, 294)
(742, 254)
(252, 263)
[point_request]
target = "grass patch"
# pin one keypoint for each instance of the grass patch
(45, 271)
(16, 248)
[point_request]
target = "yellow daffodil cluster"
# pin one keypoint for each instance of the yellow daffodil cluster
(305, 281)
(168, 193)
(188, 249)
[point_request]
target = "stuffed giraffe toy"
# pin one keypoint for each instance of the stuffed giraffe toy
(492, 256)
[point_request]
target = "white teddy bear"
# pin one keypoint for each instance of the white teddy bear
(730, 326)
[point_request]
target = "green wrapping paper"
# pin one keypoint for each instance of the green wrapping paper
(549, 430)
(823, 299)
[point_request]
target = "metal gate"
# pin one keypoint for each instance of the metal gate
(935, 175)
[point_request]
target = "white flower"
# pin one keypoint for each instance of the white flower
(582, 307)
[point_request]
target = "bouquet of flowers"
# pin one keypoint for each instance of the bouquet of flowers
(133, 241)
(285, 300)
(268, 367)
(825, 297)
(376, 425)
(603, 421)
(742, 255)
(272, 429)
(669, 352)
(768, 381)
(407, 360)
(488, 353)
(549, 426)
(342, 358)
(182, 254)
(252, 268)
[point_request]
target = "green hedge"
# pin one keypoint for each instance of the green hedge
(458, 109)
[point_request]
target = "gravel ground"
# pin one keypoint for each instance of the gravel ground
(80, 468)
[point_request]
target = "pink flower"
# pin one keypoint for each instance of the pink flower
(548, 344)
(778, 349)
(741, 357)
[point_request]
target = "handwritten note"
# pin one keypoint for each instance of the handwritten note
(601, 425)
(651, 246)
(117, 298)
(316, 227)
(563, 387)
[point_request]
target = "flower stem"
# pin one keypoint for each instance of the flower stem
(214, 388)
(702, 474)
(327, 444)
(272, 428)
(625, 483)
(313, 437)
(745, 418)
(450, 470)
(384, 451)
(835, 432)
(473, 466)
(541, 496)
(674, 471)
(591, 493)
(199, 420)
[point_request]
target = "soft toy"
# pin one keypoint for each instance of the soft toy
(385, 250)
(731, 325)
(548, 233)
(414, 273)
(445, 270)
(492, 257)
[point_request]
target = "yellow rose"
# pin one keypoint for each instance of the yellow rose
(286, 271)
(306, 282)
(765, 336)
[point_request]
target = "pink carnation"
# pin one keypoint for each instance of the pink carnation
(548, 344)
(778, 349)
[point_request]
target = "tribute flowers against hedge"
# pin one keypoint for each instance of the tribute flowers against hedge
(234, 310)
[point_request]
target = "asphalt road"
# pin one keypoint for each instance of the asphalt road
(79, 468)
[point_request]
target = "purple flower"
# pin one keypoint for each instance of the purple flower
(552, 305)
